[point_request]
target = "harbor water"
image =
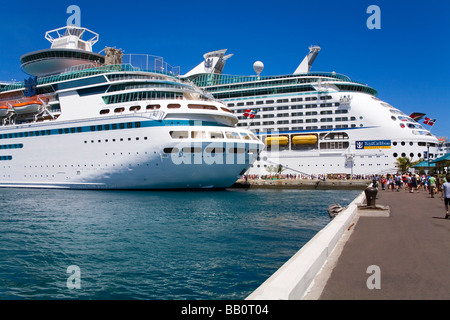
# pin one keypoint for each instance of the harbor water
(169, 245)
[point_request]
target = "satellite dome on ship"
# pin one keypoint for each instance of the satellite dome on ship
(68, 49)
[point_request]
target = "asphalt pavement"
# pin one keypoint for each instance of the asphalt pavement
(405, 256)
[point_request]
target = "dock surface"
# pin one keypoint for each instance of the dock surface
(410, 248)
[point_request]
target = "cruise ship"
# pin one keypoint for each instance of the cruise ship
(84, 120)
(315, 123)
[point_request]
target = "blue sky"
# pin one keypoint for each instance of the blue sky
(407, 60)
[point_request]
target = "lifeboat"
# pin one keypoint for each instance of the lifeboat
(27, 107)
(280, 140)
(4, 111)
(305, 139)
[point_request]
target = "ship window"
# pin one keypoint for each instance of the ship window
(135, 108)
(236, 150)
(232, 135)
(153, 106)
(129, 125)
(192, 150)
(201, 106)
(245, 136)
(118, 110)
(198, 134)
(393, 118)
(171, 150)
(173, 106)
(216, 135)
(250, 103)
(214, 150)
(226, 110)
(395, 155)
(104, 111)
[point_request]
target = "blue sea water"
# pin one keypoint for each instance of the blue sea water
(155, 245)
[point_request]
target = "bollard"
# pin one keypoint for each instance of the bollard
(371, 195)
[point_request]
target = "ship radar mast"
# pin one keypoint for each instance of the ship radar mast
(307, 62)
(71, 37)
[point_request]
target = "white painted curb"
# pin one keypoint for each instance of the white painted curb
(293, 279)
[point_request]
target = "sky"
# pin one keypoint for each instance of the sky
(407, 60)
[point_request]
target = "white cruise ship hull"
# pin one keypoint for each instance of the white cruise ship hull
(129, 158)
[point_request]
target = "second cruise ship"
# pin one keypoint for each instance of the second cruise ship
(315, 123)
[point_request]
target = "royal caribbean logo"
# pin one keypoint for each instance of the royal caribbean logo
(373, 144)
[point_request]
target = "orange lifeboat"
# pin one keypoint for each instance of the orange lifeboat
(27, 107)
(4, 110)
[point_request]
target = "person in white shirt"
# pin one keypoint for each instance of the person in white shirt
(446, 195)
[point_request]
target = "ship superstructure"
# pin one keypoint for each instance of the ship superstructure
(79, 121)
(317, 122)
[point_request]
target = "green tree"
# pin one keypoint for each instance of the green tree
(404, 163)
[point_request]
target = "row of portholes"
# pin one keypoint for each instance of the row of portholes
(402, 143)
(411, 155)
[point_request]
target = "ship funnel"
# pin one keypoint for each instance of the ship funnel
(307, 62)
(213, 63)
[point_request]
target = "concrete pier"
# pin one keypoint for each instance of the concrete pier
(302, 184)
(399, 254)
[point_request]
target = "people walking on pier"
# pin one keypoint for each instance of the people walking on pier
(414, 183)
(446, 195)
(398, 182)
(432, 184)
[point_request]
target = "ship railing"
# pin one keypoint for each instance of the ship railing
(150, 62)
(85, 73)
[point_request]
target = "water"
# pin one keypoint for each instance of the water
(153, 245)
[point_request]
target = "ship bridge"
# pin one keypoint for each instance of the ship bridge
(68, 49)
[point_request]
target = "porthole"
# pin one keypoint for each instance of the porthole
(411, 155)
(403, 143)
(403, 154)
(395, 155)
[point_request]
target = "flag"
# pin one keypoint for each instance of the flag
(250, 113)
(429, 121)
(416, 116)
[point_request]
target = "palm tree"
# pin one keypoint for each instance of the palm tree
(404, 163)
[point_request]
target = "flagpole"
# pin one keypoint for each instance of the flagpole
(248, 127)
